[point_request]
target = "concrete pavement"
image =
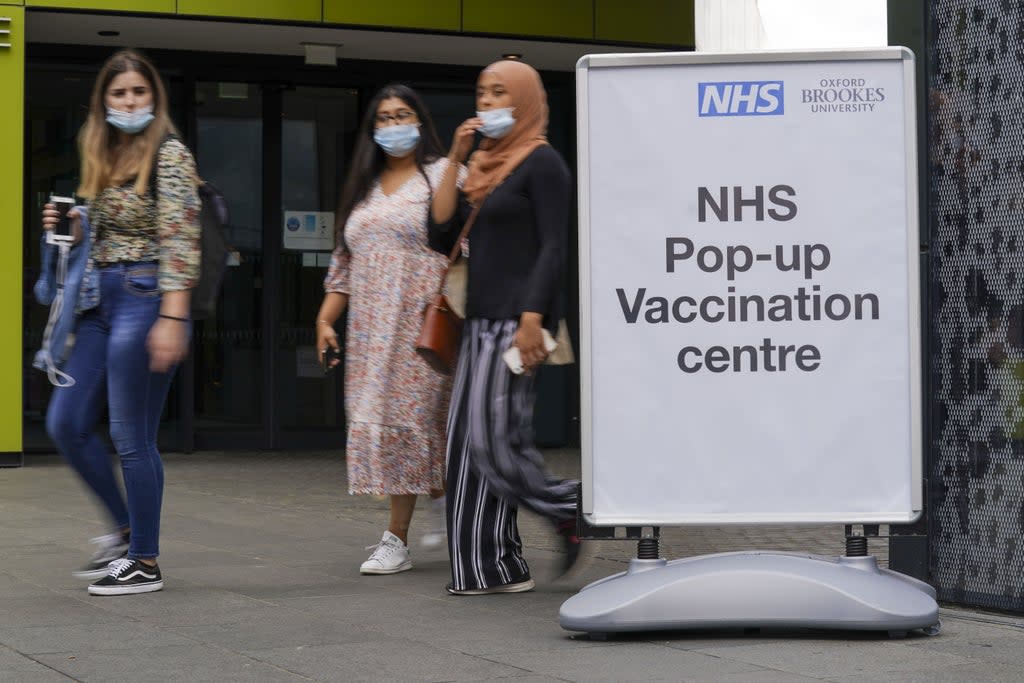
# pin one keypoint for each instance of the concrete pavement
(260, 554)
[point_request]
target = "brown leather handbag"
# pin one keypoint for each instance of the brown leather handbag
(441, 332)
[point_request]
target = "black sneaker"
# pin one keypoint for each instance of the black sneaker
(127, 577)
(111, 547)
(577, 556)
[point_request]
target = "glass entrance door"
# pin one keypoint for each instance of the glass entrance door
(227, 353)
(278, 154)
(318, 126)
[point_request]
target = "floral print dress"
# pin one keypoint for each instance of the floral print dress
(395, 403)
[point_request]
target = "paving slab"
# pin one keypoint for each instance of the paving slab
(391, 660)
(52, 609)
(759, 676)
(184, 664)
(181, 604)
(121, 635)
(968, 673)
(14, 586)
(276, 629)
(829, 658)
(41, 674)
(619, 662)
(15, 665)
(261, 581)
(261, 554)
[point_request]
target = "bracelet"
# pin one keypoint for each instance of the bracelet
(173, 317)
(326, 322)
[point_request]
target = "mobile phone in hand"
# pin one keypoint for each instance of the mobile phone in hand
(328, 356)
(62, 231)
(514, 360)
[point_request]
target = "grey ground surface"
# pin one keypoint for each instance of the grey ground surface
(260, 554)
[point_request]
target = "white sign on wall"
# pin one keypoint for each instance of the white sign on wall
(309, 230)
(749, 288)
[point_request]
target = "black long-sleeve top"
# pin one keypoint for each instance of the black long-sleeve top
(518, 244)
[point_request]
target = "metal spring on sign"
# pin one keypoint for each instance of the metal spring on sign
(856, 546)
(647, 549)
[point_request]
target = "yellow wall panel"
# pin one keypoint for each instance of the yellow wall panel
(665, 22)
(165, 6)
(442, 15)
(553, 18)
(285, 10)
(12, 127)
(10, 2)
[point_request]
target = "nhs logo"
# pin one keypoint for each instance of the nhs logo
(741, 98)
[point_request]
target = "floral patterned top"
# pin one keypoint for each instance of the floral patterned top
(131, 228)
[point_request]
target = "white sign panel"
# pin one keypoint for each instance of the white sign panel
(309, 230)
(749, 274)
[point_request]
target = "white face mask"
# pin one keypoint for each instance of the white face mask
(397, 141)
(497, 122)
(130, 121)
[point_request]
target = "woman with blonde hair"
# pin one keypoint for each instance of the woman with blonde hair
(140, 184)
(521, 188)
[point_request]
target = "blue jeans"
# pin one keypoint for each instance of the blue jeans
(110, 364)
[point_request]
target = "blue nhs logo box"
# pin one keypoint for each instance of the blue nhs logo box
(741, 98)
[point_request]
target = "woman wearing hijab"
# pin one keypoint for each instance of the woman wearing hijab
(517, 248)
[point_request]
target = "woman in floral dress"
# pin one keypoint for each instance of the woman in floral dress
(385, 273)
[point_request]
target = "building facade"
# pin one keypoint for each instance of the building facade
(971, 165)
(268, 94)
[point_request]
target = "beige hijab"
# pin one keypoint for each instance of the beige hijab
(496, 159)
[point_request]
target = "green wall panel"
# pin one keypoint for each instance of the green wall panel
(443, 15)
(554, 18)
(12, 133)
(8, 2)
(287, 10)
(667, 22)
(165, 6)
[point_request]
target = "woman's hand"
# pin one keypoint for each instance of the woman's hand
(167, 344)
(51, 216)
(462, 141)
(530, 341)
(326, 338)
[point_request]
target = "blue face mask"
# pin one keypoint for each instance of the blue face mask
(497, 122)
(130, 121)
(397, 141)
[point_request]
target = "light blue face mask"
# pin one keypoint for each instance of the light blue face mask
(397, 141)
(130, 121)
(497, 122)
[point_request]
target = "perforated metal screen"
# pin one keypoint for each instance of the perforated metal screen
(976, 198)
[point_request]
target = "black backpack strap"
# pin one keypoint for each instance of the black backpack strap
(156, 162)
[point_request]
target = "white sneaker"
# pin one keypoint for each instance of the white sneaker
(390, 556)
(434, 537)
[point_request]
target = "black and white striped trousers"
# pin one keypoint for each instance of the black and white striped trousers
(493, 466)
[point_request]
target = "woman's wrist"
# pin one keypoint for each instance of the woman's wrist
(530, 319)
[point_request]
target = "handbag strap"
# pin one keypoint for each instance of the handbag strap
(452, 257)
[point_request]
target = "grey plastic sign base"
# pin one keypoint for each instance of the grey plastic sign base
(753, 590)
